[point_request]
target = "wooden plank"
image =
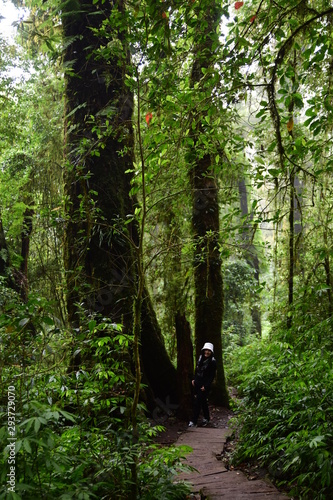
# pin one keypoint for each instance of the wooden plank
(211, 477)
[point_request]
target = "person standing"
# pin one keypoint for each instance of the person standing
(204, 375)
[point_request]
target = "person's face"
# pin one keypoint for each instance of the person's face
(207, 353)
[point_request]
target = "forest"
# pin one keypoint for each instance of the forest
(165, 181)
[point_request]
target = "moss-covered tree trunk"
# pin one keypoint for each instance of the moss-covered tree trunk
(99, 149)
(205, 214)
(100, 263)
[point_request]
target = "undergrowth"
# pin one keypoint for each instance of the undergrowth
(71, 428)
(285, 409)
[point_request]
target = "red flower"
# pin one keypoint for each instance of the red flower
(238, 5)
(252, 19)
(149, 116)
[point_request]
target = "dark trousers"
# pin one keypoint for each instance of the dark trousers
(200, 403)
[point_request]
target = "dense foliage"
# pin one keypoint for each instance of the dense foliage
(73, 430)
(285, 409)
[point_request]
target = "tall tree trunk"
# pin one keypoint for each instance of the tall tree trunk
(292, 214)
(205, 220)
(298, 188)
(291, 270)
(97, 252)
(100, 263)
(250, 250)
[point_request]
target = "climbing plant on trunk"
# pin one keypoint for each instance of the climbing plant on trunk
(101, 233)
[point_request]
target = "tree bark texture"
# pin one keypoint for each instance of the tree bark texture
(98, 247)
(205, 222)
(158, 369)
(100, 262)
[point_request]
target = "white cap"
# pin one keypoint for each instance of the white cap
(209, 346)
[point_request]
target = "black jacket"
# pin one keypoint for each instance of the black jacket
(205, 372)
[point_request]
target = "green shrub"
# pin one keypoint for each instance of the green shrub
(73, 431)
(285, 412)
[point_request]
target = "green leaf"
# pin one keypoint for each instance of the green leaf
(271, 147)
(37, 425)
(68, 415)
(92, 325)
(47, 320)
(27, 424)
(310, 112)
(316, 440)
(26, 445)
(261, 113)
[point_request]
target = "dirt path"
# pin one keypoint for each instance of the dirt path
(212, 480)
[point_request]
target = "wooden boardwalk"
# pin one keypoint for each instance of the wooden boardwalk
(212, 480)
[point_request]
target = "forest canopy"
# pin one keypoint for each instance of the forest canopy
(165, 180)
